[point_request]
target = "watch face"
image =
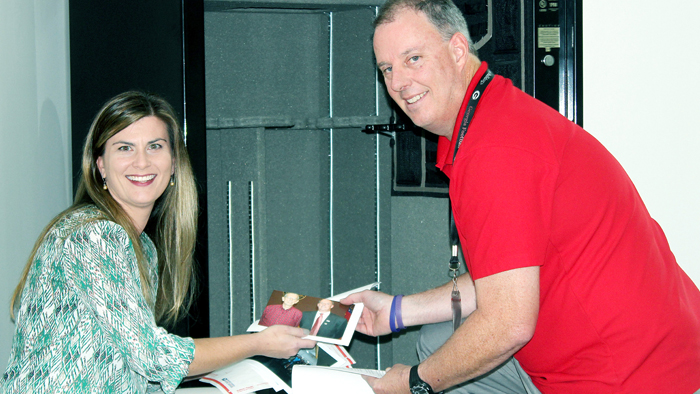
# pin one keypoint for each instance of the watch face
(421, 388)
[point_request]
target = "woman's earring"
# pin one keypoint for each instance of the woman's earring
(104, 183)
(172, 180)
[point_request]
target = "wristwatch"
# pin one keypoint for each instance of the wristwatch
(418, 386)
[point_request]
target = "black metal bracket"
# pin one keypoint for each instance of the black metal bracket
(388, 130)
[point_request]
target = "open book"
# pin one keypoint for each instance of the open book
(328, 363)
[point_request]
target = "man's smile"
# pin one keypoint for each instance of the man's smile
(416, 98)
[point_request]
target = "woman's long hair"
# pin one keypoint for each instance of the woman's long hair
(173, 221)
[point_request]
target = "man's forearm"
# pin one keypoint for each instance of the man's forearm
(503, 323)
(433, 306)
(475, 349)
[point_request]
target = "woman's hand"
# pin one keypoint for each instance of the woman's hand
(283, 341)
(276, 341)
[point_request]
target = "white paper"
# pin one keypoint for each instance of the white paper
(242, 377)
(340, 296)
(339, 354)
(308, 379)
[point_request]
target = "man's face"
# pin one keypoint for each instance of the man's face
(324, 305)
(420, 71)
(289, 299)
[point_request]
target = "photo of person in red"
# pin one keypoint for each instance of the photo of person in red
(282, 314)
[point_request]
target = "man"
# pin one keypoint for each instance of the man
(323, 323)
(572, 287)
(285, 314)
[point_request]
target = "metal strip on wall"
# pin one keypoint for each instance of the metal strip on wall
(330, 114)
(251, 229)
(229, 217)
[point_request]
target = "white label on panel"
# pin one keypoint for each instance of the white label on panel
(548, 37)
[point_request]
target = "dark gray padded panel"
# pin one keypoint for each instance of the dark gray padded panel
(354, 67)
(288, 231)
(266, 63)
(220, 5)
(222, 170)
(420, 252)
(355, 222)
(420, 243)
(354, 209)
(295, 241)
(354, 153)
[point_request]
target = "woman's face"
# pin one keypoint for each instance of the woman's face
(137, 163)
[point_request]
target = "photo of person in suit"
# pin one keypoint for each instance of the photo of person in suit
(323, 322)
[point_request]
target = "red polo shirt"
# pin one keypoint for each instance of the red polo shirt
(530, 188)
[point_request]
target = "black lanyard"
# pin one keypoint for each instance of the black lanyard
(456, 298)
(471, 108)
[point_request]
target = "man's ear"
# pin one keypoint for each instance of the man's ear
(459, 48)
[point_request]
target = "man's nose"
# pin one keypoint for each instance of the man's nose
(399, 80)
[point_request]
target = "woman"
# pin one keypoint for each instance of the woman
(96, 284)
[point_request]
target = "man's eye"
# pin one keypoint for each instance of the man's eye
(414, 59)
(386, 70)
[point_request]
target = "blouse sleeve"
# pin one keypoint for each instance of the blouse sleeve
(101, 266)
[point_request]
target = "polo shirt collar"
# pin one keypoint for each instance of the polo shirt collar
(446, 147)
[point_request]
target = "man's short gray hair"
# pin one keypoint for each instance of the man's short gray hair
(443, 14)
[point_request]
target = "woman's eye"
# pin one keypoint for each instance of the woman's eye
(155, 146)
(124, 148)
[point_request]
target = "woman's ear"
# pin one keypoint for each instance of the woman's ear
(100, 166)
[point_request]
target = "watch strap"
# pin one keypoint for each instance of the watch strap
(418, 385)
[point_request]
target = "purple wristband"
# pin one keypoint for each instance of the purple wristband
(392, 315)
(395, 316)
(399, 320)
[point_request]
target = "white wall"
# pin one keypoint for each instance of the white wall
(641, 85)
(34, 135)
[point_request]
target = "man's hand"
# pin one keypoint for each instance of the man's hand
(394, 382)
(283, 341)
(375, 316)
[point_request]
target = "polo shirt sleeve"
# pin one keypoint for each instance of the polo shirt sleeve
(102, 268)
(502, 201)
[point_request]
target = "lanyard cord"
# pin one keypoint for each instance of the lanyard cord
(456, 298)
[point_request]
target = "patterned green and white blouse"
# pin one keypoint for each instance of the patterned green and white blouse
(83, 325)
